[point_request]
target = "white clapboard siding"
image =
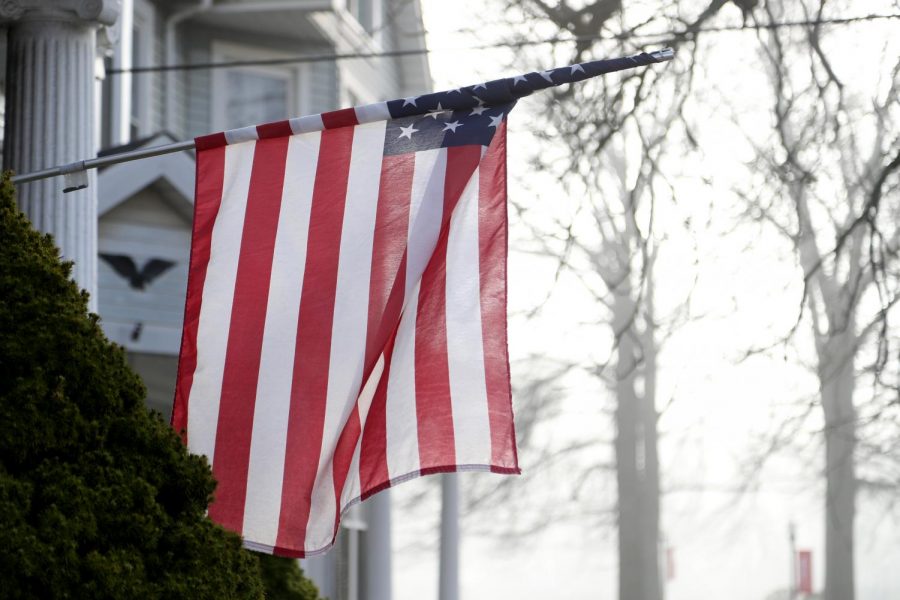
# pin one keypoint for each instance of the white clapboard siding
(144, 227)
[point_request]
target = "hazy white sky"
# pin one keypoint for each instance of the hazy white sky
(725, 546)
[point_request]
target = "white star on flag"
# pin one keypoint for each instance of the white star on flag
(411, 100)
(546, 75)
(406, 132)
(495, 121)
(576, 68)
(451, 126)
(437, 111)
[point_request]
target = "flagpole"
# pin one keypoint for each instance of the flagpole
(75, 173)
(103, 161)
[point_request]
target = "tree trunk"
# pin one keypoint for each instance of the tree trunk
(650, 480)
(629, 521)
(637, 464)
(836, 379)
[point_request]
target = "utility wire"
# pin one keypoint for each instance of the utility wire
(662, 35)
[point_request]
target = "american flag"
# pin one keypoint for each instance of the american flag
(345, 324)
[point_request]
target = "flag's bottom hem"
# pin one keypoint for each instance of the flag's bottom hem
(294, 553)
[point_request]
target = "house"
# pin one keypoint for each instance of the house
(145, 207)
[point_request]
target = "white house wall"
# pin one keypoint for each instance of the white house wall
(149, 319)
(320, 96)
(368, 80)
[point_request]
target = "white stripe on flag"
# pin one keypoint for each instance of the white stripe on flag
(306, 124)
(348, 334)
(373, 112)
(465, 353)
(425, 213)
(366, 395)
(400, 405)
(218, 296)
(273, 393)
(244, 134)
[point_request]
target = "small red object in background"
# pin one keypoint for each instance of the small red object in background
(804, 572)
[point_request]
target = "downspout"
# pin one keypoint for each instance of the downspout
(172, 76)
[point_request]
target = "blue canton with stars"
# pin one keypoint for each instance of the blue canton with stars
(472, 114)
(440, 127)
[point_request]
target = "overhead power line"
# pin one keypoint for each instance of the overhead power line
(657, 36)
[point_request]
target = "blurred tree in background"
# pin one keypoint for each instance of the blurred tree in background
(826, 178)
(617, 132)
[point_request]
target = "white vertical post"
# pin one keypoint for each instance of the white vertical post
(322, 569)
(352, 567)
(377, 564)
(448, 584)
(50, 98)
(792, 547)
(123, 58)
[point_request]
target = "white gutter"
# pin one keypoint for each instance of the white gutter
(273, 5)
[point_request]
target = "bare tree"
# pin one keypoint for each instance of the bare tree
(617, 132)
(830, 167)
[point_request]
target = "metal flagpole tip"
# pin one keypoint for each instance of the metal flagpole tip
(663, 55)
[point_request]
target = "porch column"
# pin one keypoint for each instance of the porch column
(51, 53)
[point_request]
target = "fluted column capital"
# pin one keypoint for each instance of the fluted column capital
(99, 12)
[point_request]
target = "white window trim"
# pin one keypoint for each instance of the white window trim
(113, 119)
(297, 76)
(144, 18)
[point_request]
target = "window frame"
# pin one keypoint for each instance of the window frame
(297, 77)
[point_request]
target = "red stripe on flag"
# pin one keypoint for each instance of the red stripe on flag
(388, 274)
(208, 142)
(306, 419)
(275, 129)
(434, 412)
(492, 248)
(346, 117)
(373, 469)
(208, 199)
(343, 456)
(387, 287)
(245, 334)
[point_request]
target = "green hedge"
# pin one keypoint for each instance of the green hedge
(98, 497)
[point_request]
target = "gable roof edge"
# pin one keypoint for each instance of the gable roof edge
(119, 182)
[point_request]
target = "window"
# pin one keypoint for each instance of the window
(243, 96)
(362, 10)
(256, 96)
(367, 12)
